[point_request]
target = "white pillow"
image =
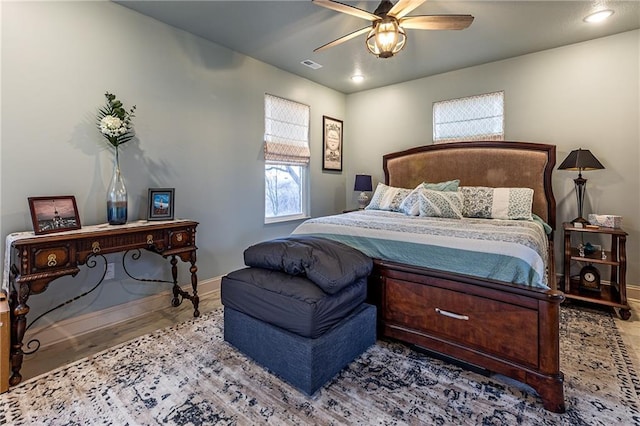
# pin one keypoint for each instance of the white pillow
(440, 203)
(497, 203)
(387, 198)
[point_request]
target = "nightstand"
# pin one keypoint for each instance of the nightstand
(586, 287)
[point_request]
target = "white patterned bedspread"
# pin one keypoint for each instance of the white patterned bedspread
(512, 251)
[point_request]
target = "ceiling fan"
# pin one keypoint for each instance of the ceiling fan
(387, 32)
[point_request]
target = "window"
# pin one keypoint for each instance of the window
(286, 154)
(478, 117)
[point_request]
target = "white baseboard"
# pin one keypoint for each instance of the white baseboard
(94, 321)
(633, 292)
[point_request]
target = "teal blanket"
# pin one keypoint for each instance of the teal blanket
(514, 251)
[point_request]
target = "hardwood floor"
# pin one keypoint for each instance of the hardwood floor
(54, 356)
(630, 330)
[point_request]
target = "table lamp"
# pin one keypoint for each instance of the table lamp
(580, 160)
(363, 184)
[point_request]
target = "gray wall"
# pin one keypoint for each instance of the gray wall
(584, 95)
(199, 125)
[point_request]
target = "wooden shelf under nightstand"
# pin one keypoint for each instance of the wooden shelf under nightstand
(612, 295)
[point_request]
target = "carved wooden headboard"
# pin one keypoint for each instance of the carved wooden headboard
(480, 163)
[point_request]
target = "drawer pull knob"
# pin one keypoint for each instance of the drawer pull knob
(95, 247)
(452, 315)
(51, 260)
(150, 239)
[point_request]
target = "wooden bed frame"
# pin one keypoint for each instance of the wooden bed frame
(502, 327)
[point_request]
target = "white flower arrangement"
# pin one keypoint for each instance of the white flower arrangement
(115, 123)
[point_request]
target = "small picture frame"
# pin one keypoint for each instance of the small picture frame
(161, 203)
(331, 144)
(54, 214)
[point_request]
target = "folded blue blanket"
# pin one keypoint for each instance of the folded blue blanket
(329, 264)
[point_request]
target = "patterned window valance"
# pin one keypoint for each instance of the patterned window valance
(286, 136)
(478, 117)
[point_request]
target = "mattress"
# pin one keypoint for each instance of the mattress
(512, 251)
(291, 302)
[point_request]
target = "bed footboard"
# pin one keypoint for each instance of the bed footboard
(507, 329)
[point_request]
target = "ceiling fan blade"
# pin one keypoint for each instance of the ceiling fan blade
(343, 39)
(403, 7)
(437, 22)
(345, 8)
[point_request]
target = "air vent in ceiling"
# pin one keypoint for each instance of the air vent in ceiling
(311, 64)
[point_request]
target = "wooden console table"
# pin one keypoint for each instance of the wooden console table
(33, 261)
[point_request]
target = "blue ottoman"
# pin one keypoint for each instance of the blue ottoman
(303, 362)
(298, 309)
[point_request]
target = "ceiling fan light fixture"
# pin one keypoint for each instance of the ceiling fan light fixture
(386, 38)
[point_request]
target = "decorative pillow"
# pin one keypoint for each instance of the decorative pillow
(440, 203)
(497, 203)
(387, 198)
(411, 205)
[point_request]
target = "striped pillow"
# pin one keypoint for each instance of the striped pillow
(411, 205)
(387, 198)
(440, 204)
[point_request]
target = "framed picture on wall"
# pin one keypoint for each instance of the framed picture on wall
(331, 144)
(54, 214)
(161, 203)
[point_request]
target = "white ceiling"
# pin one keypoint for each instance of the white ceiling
(285, 33)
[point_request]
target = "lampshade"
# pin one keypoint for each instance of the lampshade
(363, 183)
(580, 159)
(386, 38)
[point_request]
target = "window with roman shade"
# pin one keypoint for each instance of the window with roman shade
(286, 131)
(479, 117)
(287, 155)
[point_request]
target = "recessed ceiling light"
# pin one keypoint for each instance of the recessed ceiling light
(598, 16)
(357, 78)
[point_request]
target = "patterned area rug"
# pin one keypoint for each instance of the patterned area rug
(187, 375)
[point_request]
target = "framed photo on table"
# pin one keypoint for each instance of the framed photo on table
(54, 214)
(331, 144)
(161, 203)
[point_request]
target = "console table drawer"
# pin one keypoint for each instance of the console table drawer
(111, 244)
(463, 318)
(49, 258)
(180, 238)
